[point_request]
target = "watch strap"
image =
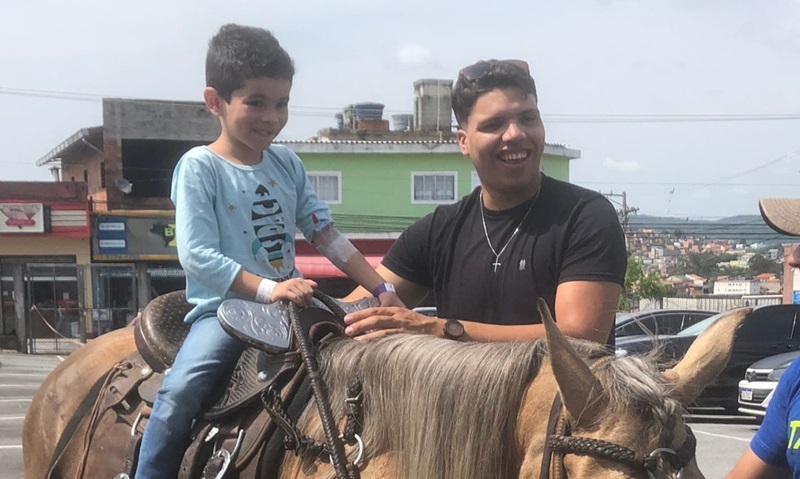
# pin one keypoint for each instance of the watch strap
(382, 288)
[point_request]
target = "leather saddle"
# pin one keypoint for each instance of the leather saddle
(235, 431)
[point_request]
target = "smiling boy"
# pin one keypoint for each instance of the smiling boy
(238, 203)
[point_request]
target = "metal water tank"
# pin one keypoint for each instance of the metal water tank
(402, 122)
(368, 110)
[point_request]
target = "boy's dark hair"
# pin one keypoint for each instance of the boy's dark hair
(238, 53)
(484, 76)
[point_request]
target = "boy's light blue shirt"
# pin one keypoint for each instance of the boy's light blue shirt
(229, 217)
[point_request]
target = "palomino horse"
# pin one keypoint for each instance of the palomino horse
(436, 408)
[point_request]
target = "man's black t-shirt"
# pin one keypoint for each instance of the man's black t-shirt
(570, 234)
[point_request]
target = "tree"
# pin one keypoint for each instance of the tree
(639, 285)
(702, 264)
(761, 264)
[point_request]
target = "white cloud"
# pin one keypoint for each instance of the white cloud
(621, 165)
(412, 55)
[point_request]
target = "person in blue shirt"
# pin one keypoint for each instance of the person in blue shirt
(238, 203)
(774, 451)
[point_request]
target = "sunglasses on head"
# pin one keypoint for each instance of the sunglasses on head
(477, 70)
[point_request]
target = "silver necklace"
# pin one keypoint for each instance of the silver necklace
(496, 263)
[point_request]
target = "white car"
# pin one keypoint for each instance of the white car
(759, 382)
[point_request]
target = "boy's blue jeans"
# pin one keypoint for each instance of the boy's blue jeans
(204, 362)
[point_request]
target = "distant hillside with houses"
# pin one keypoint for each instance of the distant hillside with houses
(750, 228)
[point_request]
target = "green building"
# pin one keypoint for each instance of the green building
(383, 186)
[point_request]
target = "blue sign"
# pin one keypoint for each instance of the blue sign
(796, 297)
(112, 235)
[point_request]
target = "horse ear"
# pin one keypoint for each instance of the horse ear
(581, 391)
(706, 357)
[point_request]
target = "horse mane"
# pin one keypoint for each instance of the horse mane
(448, 409)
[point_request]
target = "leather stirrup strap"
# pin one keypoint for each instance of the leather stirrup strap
(77, 417)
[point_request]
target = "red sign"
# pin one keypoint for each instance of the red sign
(21, 218)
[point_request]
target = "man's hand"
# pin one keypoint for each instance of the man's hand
(373, 323)
(298, 290)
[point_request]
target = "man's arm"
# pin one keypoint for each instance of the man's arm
(751, 466)
(410, 293)
(585, 310)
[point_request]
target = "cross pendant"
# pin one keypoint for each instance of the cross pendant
(496, 264)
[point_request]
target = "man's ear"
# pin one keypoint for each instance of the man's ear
(461, 138)
(213, 101)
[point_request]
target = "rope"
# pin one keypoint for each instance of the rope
(296, 441)
(604, 449)
(595, 447)
(334, 445)
(44, 320)
(355, 398)
(331, 303)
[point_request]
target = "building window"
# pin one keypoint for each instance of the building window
(430, 187)
(102, 174)
(85, 176)
(327, 184)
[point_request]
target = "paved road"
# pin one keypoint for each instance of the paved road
(20, 376)
(721, 439)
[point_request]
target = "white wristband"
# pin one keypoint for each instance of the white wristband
(264, 293)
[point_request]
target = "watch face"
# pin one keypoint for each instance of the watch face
(453, 329)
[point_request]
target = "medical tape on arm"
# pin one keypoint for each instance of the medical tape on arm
(334, 246)
(264, 292)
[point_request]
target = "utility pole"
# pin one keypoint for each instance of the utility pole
(623, 214)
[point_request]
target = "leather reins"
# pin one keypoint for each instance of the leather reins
(560, 441)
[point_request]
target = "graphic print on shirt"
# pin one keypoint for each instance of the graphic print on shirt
(794, 438)
(273, 243)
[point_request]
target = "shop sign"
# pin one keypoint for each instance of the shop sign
(132, 237)
(112, 236)
(22, 218)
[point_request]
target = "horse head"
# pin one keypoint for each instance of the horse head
(622, 418)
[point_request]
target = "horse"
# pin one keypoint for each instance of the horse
(437, 408)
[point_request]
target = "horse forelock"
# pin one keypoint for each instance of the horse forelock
(635, 387)
(443, 408)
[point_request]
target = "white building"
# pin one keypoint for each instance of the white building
(737, 286)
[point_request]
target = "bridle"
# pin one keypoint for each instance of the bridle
(560, 442)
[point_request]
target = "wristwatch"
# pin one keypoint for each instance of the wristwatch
(453, 329)
(382, 288)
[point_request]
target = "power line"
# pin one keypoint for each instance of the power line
(587, 118)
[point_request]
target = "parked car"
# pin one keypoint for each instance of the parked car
(660, 321)
(767, 331)
(760, 380)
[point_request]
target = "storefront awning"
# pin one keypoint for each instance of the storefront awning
(320, 267)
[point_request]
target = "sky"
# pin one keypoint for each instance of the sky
(689, 107)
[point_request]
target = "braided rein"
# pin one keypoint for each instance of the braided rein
(607, 450)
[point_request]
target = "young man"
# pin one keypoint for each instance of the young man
(774, 451)
(519, 237)
(238, 203)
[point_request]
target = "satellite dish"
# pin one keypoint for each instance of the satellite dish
(123, 185)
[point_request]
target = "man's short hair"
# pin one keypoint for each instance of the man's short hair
(238, 53)
(485, 76)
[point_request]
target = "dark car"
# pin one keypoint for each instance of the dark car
(660, 321)
(767, 331)
(760, 380)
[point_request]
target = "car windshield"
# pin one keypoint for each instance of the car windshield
(624, 318)
(698, 328)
